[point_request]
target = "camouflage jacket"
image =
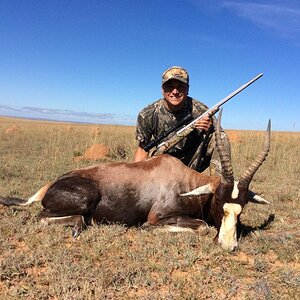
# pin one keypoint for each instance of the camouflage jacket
(195, 150)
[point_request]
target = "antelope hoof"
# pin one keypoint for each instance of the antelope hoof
(76, 231)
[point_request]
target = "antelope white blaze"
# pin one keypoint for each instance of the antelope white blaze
(235, 191)
(227, 234)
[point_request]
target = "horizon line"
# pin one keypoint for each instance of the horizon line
(119, 124)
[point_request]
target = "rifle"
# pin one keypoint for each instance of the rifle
(184, 131)
(154, 143)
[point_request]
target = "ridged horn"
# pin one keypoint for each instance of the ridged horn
(227, 172)
(248, 175)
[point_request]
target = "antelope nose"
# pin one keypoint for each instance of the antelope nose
(234, 249)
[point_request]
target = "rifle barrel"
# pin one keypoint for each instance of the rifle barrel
(224, 100)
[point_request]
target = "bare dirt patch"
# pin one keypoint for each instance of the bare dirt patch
(95, 152)
(14, 129)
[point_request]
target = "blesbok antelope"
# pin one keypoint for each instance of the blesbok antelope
(158, 191)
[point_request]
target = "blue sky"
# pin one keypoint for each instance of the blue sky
(101, 61)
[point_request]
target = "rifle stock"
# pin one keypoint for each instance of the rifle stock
(183, 132)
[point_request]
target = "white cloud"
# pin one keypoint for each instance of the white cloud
(281, 18)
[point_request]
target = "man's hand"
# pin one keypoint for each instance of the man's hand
(204, 123)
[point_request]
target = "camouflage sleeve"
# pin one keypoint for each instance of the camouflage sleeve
(199, 108)
(143, 129)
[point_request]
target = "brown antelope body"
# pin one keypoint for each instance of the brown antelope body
(158, 191)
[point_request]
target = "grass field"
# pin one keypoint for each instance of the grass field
(115, 262)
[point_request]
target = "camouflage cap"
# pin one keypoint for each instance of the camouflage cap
(177, 73)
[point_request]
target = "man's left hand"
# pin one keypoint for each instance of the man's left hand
(204, 123)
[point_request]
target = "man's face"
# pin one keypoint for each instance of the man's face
(175, 92)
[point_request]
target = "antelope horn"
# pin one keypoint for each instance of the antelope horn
(227, 172)
(249, 173)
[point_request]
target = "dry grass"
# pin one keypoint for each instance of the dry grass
(115, 262)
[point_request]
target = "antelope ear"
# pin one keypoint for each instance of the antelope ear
(254, 198)
(202, 190)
